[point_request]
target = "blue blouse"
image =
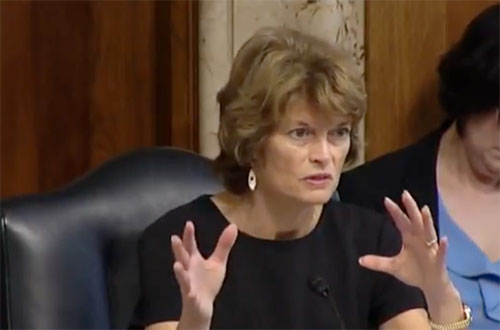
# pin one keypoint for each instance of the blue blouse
(474, 275)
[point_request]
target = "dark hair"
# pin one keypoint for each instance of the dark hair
(468, 72)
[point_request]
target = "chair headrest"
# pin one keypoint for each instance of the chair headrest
(65, 248)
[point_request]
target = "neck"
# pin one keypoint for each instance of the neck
(276, 217)
(468, 171)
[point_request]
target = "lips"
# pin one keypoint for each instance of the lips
(319, 177)
(318, 181)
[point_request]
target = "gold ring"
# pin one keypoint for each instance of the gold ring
(431, 243)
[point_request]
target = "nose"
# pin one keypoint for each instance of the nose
(319, 151)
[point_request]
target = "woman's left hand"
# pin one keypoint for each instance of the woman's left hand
(421, 261)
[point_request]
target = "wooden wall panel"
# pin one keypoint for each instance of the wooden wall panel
(59, 42)
(183, 37)
(83, 81)
(122, 89)
(19, 154)
(459, 13)
(163, 72)
(404, 40)
(176, 71)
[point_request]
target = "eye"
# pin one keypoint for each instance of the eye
(340, 133)
(300, 133)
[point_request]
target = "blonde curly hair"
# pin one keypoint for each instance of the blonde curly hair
(273, 65)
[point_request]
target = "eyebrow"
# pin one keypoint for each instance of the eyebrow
(303, 123)
(345, 123)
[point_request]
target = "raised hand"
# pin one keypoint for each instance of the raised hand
(200, 279)
(421, 261)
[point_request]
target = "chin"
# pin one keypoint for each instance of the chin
(315, 197)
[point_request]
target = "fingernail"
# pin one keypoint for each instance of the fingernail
(361, 260)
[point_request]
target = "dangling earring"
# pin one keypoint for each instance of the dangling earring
(252, 180)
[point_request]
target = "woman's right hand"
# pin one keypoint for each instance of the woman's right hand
(200, 279)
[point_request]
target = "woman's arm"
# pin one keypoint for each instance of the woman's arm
(185, 323)
(444, 308)
(420, 263)
(170, 325)
(188, 320)
(199, 279)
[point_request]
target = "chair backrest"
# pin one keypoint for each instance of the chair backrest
(69, 258)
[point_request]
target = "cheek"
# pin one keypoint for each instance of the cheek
(286, 160)
(474, 148)
(477, 140)
(482, 134)
(278, 158)
(339, 152)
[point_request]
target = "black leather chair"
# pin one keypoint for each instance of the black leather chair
(69, 258)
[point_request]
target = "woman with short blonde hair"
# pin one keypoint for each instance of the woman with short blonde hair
(298, 258)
